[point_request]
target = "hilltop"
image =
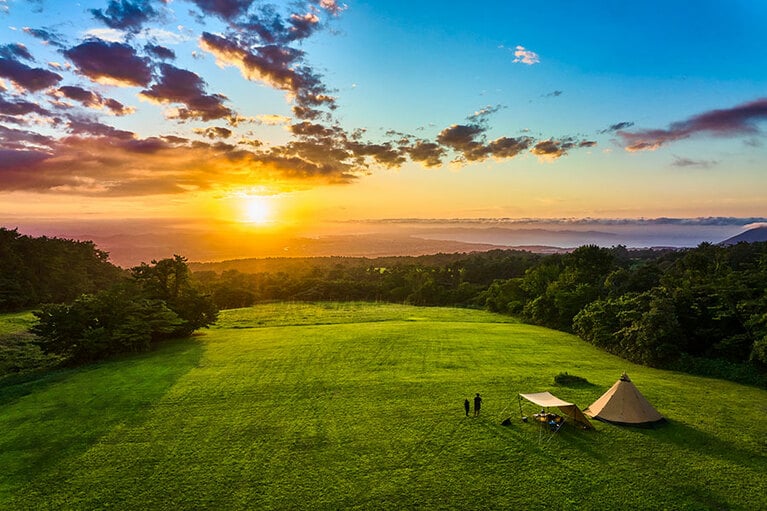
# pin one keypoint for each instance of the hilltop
(359, 406)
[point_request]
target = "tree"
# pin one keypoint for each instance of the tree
(169, 280)
(97, 326)
(158, 303)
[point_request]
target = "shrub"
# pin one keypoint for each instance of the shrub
(570, 379)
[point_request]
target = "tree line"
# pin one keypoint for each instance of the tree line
(50, 270)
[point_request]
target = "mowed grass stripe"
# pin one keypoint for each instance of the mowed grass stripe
(360, 406)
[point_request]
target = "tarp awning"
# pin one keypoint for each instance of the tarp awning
(545, 399)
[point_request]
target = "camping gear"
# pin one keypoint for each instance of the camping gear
(624, 405)
(547, 400)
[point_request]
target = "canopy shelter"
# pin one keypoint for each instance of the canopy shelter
(548, 400)
(624, 405)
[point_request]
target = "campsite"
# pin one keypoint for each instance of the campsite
(360, 406)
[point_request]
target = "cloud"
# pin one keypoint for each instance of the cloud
(332, 6)
(92, 99)
(728, 122)
(22, 140)
(160, 52)
(507, 147)
(46, 36)
(482, 115)
(617, 127)
(332, 145)
(112, 35)
(214, 132)
(427, 153)
(523, 56)
(385, 154)
(468, 140)
(25, 77)
(277, 66)
(20, 108)
(260, 42)
(81, 125)
(687, 162)
(227, 10)
(462, 138)
(552, 149)
(14, 51)
(97, 160)
(272, 119)
(185, 87)
(125, 14)
(548, 149)
(302, 25)
(110, 63)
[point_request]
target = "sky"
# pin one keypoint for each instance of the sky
(310, 118)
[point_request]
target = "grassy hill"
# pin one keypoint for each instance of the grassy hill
(344, 406)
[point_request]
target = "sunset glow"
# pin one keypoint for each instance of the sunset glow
(257, 210)
(196, 113)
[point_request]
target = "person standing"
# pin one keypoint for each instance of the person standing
(477, 404)
(466, 406)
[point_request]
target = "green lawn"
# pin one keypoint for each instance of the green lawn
(344, 406)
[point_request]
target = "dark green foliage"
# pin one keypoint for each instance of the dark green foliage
(704, 303)
(158, 303)
(560, 288)
(168, 281)
(441, 279)
(641, 327)
(50, 270)
(110, 322)
(740, 372)
(19, 353)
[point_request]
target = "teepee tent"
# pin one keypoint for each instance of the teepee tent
(623, 404)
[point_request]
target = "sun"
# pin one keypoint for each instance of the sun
(257, 210)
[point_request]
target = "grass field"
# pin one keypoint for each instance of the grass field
(360, 406)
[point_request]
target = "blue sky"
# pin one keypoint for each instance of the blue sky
(320, 111)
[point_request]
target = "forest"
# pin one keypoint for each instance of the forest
(701, 310)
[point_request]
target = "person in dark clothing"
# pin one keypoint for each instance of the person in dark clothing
(477, 404)
(466, 406)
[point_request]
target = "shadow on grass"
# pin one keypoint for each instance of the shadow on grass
(47, 420)
(539, 437)
(15, 386)
(686, 437)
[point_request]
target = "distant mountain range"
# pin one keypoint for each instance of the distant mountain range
(129, 245)
(754, 235)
